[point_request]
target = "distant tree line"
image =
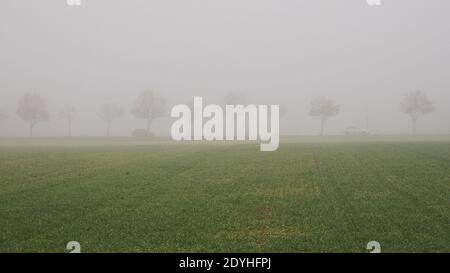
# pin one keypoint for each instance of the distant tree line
(33, 109)
(415, 104)
(150, 105)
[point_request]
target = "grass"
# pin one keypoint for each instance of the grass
(328, 195)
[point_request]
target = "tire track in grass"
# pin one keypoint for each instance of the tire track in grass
(39, 205)
(431, 164)
(332, 195)
(345, 174)
(303, 206)
(413, 203)
(167, 186)
(196, 191)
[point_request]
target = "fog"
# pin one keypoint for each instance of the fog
(286, 52)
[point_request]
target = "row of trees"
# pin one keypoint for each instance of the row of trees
(415, 104)
(149, 105)
(33, 109)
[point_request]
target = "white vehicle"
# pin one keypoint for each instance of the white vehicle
(355, 131)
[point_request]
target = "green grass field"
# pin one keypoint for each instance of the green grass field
(312, 195)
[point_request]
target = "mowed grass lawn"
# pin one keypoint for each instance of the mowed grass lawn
(309, 196)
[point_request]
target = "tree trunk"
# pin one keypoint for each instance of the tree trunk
(414, 126)
(149, 121)
(322, 125)
(108, 128)
(70, 128)
(31, 128)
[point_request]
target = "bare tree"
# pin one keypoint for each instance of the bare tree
(149, 105)
(32, 108)
(325, 109)
(415, 105)
(108, 113)
(68, 113)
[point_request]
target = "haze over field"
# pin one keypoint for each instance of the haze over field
(290, 52)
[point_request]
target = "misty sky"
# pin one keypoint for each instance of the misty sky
(285, 52)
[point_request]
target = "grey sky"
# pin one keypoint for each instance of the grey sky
(289, 52)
